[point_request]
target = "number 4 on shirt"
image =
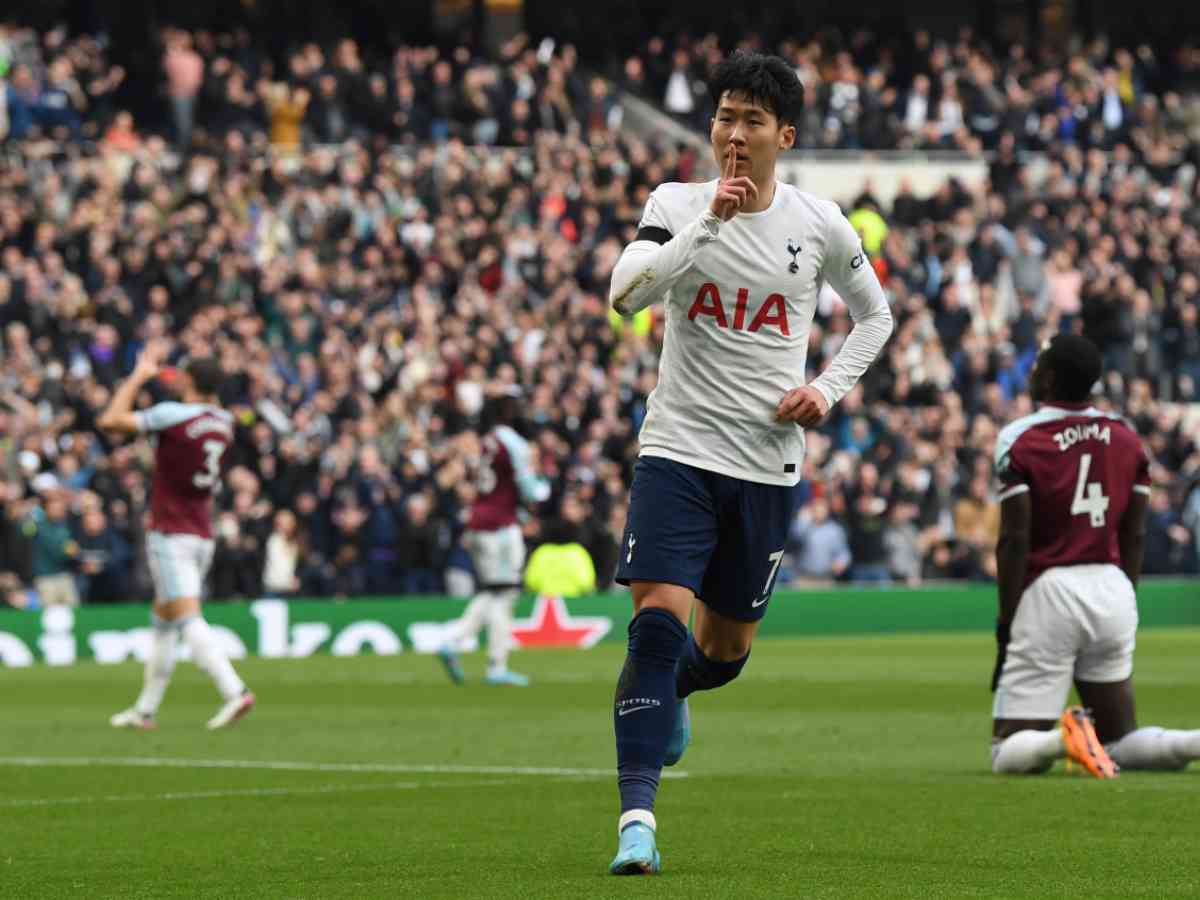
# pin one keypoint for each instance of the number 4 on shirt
(1089, 498)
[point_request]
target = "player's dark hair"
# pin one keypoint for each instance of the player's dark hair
(766, 80)
(1076, 364)
(206, 374)
(504, 409)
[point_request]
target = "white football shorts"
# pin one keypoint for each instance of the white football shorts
(178, 564)
(498, 556)
(1073, 623)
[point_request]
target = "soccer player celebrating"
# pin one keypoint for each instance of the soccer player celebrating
(192, 437)
(505, 477)
(1074, 484)
(738, 264)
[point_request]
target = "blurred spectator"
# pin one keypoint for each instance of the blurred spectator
(121, 135)
(866, 512)
(977, 526)
(420, 549)
(55, 549)
(902, 540)
(871, 226)
(561, 566)
(20, 101)
(1191, 519)
(1168, 542)
(15, 549)
(819, 549)
(185, 73)
(103, 559)
(62, 101)
(378, 494)
(330, 113)
(236, 570)
(283, 556)
(287, 106)
(679, 98)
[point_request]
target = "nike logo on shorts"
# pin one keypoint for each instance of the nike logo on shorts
(754, 604)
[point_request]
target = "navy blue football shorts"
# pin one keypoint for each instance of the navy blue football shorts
(719, 536)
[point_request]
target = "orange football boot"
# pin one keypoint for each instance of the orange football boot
(1079, 738)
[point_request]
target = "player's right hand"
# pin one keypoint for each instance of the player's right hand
(732, 190)
(805, 406)
(151, 358)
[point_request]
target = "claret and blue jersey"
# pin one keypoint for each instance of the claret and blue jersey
(192, 440)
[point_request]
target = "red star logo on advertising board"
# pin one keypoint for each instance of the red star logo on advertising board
(551, 625)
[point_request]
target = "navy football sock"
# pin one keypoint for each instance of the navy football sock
(645, 705)
(696, 672)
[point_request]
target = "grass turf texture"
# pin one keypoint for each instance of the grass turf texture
(835, 767)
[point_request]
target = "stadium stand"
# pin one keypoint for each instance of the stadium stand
(867, 91)
(372, 245)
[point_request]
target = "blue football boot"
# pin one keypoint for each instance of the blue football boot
(504, 676)
(637, 853)
(453, 667)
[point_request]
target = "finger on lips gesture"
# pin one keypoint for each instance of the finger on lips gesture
(733, 191)
(805, 406)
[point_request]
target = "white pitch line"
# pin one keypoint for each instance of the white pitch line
(249, 792)
(164, 762)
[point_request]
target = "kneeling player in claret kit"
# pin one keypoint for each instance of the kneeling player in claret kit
(1074, 483)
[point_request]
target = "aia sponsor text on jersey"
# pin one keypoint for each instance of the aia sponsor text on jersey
(772, 311)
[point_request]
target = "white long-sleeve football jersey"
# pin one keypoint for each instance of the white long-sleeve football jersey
(739, 299)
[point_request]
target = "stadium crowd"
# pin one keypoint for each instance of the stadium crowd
(222, 88)
(873, 91)
(864, 90)
(366, 298)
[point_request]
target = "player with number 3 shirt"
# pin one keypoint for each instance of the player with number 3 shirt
(192, 437)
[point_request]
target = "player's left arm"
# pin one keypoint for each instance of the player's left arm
(850, 273)
(1131, 536)
(119, 416)
(1131, 530)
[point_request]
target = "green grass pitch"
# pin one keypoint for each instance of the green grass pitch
(835, 767)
